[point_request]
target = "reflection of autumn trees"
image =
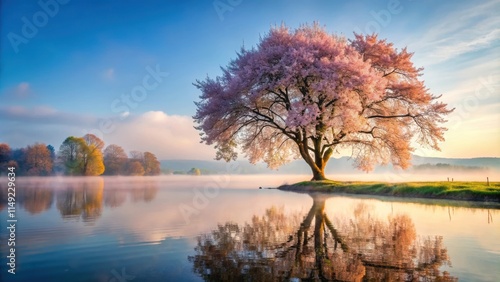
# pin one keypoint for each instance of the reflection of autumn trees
(277, 246)
(81, 200)
(33, 198)
(146, 193)
(78, 199)
(85, 199)
(36, 199)
(114, 198)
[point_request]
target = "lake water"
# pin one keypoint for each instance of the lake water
(222, 228)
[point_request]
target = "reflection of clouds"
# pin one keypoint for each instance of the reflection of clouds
(161, 218)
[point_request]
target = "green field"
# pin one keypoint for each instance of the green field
(467, 191)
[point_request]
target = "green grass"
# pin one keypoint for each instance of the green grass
(468, 191)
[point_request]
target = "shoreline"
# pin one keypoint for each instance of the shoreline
(461, 191)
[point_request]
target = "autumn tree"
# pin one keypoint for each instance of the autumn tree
(147, 160)
(19, 160)
(93, 162)
(137, 155)
(151, 164)
(38, 160)
(5, 156)
(52, 151)
(307, 93)
(82, 155)
(194, 171)
(115, 160)
(70, 155)
(135, 168)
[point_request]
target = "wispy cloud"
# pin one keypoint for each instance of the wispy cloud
(109, 74)
(43, 115)
(23, 89)
(461, 32)
(20, 91)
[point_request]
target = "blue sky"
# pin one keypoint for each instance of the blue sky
(67, 66)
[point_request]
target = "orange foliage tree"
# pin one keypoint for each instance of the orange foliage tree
(38, 160)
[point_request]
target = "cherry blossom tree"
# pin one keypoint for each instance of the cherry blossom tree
(306, 93)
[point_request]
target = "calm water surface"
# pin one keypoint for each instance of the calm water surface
(180, 228)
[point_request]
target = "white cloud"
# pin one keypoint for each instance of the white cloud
(167, 136)
(20, 91)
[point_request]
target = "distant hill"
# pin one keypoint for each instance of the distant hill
(339, 165)
(481, 162)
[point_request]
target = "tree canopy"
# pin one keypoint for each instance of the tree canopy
(307, 93)
(82, 155)
(115, 160)
(38, 160)
(151, 164)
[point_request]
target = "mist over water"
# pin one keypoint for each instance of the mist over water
(90, 228)
(254, 181)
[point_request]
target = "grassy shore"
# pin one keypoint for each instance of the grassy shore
(466, 191)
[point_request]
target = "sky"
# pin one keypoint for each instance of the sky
(124, 70)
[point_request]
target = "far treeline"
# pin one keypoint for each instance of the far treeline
(77, 156)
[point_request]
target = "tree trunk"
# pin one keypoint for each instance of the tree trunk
(318, 162)
(319, 232)
(318, 167)
(318, 174)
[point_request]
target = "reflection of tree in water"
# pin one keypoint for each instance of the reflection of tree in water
(82, 199)
(33, 198)
(280, 247)
(147, 192)
(114, 197)
(36, 199)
